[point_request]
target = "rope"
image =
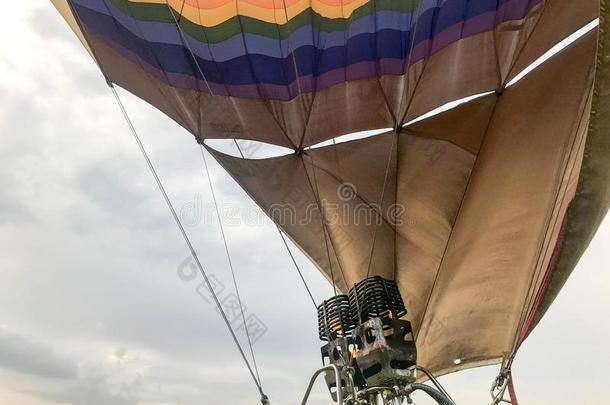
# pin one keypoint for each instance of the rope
(385, 182)
(316, 191)
(397, 124)
(184, 235)
(188, 47)
(239, 148)
(296, 265)
(224, 240)
(257, 379)
(264, 398)
(396, 131)
(180, 12)
(326, 235)
(294, 61)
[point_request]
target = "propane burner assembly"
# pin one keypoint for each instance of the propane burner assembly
(370, 355)
(368, 341)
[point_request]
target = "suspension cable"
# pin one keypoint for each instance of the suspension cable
(316, 191)
(264, 398)
(186, 238)
(296, 265)
(325, 233)
(396, 131)
(279, 230)
(381, 198)
(224, 240)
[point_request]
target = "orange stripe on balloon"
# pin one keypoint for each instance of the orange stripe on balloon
(211, 4)
(265, 10)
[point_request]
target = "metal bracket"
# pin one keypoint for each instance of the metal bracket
(330, 367)
(499, 387)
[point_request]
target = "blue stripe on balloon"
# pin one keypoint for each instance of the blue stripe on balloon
(227, 62)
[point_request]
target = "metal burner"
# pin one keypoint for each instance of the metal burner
(335, 318)
(386, 352)
(367, 340)
(375, 297)
(335, 326)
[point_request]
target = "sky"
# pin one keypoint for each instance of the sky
(98, 301)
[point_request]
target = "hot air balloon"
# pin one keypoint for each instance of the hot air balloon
(472, 218)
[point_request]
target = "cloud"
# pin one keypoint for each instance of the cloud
(19, 353)
(89, 256)
(92, 390)
(41, 21)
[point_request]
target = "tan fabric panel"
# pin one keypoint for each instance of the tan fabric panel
(66, 12)
(514, 35)
(399, 90)
(565, 195)
(198, 112)
(592, 200)
(482, 63)
(345, 108)
(358, 203)
(432, 177)
(497, 246)
(292, 116)
(129, 76)
(281, 188)
(462, 69)
(287, 189)
(231, 117)
(463, 125)
(569, 15)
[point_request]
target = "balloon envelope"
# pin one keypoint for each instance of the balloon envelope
(479, 213)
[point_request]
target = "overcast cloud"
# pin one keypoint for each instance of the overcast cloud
(97, 305)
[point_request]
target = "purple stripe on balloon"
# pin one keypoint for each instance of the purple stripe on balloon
(476, 25)
(515, 10)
